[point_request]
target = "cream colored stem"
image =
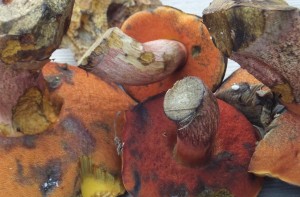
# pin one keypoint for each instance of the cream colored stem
(119, 58)
(192, 105)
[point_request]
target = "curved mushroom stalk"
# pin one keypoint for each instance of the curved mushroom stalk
(148, 61)
(121, 59)
(31, 31)
(269, 49)
(203, 152)
(203, 59)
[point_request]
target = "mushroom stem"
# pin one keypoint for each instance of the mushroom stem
(121, 59)
(194, 108)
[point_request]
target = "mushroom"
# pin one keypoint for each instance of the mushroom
(119, 58)
(202, 152)
(277, 154)
(264, 38)
(31, 31)
(250, 96)
(50, 115)
(200, 56)
(46, 164)
(91, 18)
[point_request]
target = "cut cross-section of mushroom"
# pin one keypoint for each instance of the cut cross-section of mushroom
(205, 150)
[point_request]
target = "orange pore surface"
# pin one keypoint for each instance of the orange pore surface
(46, 164)
(203, 59)
(149, 168)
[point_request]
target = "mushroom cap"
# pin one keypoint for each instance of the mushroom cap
(46, 164)
(277, 154)
(250, 96)
(203, 59)
(256, 47)
(149, 167)
(31, 30)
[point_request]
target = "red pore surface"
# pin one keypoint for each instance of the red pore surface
(149, 168)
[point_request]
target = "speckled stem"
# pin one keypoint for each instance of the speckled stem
(194, 108)
(121, 59)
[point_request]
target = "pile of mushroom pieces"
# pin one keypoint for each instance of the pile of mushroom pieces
(185, 131)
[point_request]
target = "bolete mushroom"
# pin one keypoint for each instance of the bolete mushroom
(119, 58)
(277, 154)
(202, 152)
(91, 18)
(30, 31)
(264, 38)
(46, 164)
(200, 56)
(48, 119)
(250, 96)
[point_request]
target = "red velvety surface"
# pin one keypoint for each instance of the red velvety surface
(150, 170)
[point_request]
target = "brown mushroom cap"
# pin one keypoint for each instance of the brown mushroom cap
(31, 30)
(250, 96)
(46, 164)
(277, 154)
(203, 60)
(269, 49)
(149, 167)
